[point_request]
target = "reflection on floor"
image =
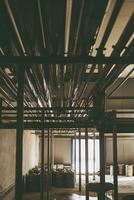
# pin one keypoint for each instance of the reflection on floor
(61, 196)
(126, 186)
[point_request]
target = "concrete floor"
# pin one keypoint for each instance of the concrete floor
(60, 196)
(126, 186)
(63, 194)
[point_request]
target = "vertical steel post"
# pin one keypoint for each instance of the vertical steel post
(42, 158)
(105, 152)
(115, 159)
(51, 162)
(102, 164)
(99, 108)
(79, 160)
(19, 134)
(86, 162)
(72, 153)
(93, 154)
(1, 109)
(48, 163)
(52, 149)
(75, 156)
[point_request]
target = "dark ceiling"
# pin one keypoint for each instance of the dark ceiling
(62, 27)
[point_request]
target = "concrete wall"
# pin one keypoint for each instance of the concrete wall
(7, 156)
(125, 90)
(7, 159)
(61, 149)
(30, 151)
(125, 150)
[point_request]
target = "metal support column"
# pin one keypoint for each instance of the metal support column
(48, 163)
(75, 156)
(99, 108)
(52, 162)
(42, 158)
(115, 159)
(102, 165)
(93, 154)
(1, 109)
(52, 149)
(86, 162)
(79, 160)
(19, 134)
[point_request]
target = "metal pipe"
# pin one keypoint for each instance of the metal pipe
(5, 100)
(19, 134)
(7, 89)
(117, 70)
(44, 45)
(41, 23)
(31, 96)
(121, 83)
(16, 30)
(122, 41)
(116, 52)
(67, 24)
(86, 84)
(93, 66)
(8, 83)
(86, 163)
(72, 89)
(115, 13)
(42, 158)
(78, 27)
(46, 90)
(14, 25)
(34, 86)
(30, 84)
(92, 40)
(4, 94)
(8, 80)
(40, 92)
(79, 160)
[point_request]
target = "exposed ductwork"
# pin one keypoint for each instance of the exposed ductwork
(72, 29)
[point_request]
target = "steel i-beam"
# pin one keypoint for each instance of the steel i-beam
(19, 134)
